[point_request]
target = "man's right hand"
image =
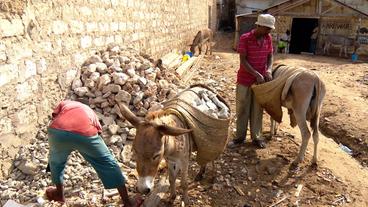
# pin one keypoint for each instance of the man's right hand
(260, 79)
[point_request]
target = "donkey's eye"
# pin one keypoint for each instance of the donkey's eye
(156, 157)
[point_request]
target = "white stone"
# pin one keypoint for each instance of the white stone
(86, 42)
(8, 72)
(28, 168)
(5, 125)
(123, 96)
(113, 128)
(103, 80)
(26, 89)
(91, 27)
(76, 26)
(59, 27)
(120, 78)
(70, 76)
(81, 91)
(108, 120)
(11, 28)
(41, 66)
(92, 59)
(99, 41)
(77, 83)
(127, 153)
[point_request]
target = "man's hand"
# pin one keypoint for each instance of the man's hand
(260, 79)
(268, 76)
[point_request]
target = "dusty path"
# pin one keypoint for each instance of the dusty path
(248, 176)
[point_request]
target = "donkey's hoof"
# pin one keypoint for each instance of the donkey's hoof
(199, 177)
(294, 166)
(314, 165)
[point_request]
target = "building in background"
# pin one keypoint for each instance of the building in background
(333, 17)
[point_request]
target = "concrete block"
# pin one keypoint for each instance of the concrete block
(114, 26)
(122, 26)
(31, 68)
(85, 11)
(3, 56)
(25, 119)
(57, 47)
(110, 39)
(118, 39)
(86, 42)
(130, 26)
(26, 89)
(79, 58)
(69, 44)
(91, 27)
(2, 46)
(59, 27)
(70, 75)
(11, 28)
(8, 72)
(41, 66)
(5, 125)
(19, 51)
(99, 41)
(76, 27)
(45, 46)
(104, 27)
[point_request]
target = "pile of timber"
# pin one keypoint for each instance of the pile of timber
(184, 70)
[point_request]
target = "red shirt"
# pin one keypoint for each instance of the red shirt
(75, 117)
(256, 53)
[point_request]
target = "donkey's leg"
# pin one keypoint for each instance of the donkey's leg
(315, 141)
(302, 123)
(315, 126)
(173, 172)
(200, 174)
(273, 128)
(184, 181)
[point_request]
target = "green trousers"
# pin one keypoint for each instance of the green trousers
(248, 110)
(93, 149)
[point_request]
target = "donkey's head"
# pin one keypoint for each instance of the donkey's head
(148, 146)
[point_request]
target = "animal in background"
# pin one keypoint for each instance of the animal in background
(203, 37)
(343, 43)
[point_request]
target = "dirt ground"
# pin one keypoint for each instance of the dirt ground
(247, 176)
(261, 177)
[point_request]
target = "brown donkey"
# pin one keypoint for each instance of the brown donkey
(160, 135)
(204, 36)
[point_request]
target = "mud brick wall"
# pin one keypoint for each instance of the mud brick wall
(44, 42)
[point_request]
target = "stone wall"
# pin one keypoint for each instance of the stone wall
(44, 42)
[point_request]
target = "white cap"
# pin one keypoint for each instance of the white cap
(266, 20)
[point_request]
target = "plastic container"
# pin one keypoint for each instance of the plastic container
(189, 53)
(185, 57)
(354, 57)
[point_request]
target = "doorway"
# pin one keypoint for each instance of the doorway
(301, 30)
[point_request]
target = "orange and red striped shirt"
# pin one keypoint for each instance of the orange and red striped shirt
(256, 53)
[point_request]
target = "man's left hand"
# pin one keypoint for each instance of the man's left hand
(268, 76)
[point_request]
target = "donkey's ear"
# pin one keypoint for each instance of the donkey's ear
(172, 131)
(129, 115)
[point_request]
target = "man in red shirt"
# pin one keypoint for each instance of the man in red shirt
(255, 50)
(75, 126)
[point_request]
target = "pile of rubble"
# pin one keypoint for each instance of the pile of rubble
(118, 74)
(209, 104)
